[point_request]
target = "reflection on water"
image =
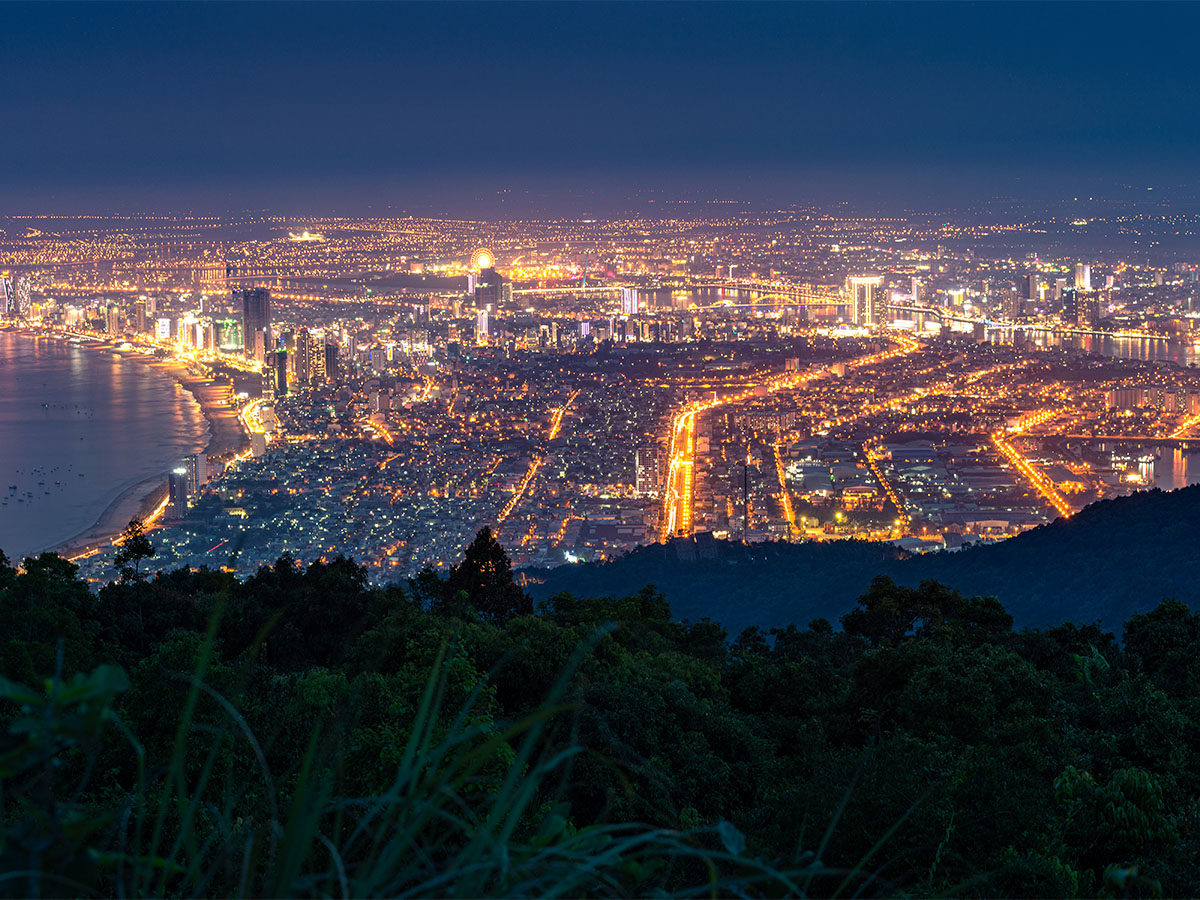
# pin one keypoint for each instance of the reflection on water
(1182, 352)
(1171, 469)
(78, 428)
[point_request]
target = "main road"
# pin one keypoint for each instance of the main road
(676, 519)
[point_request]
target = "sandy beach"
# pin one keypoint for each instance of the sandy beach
(226, 439)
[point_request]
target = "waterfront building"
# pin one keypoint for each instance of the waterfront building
(197, 473)
(177, 494)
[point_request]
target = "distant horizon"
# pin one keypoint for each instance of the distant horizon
(349, 108)
(529, 202)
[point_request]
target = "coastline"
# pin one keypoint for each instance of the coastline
(226, 438)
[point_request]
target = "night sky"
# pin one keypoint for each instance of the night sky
(315, 107)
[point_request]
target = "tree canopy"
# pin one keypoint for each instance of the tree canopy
(924, 748)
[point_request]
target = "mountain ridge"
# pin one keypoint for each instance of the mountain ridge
(1112, 559)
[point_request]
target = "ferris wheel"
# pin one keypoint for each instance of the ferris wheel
(481, 259)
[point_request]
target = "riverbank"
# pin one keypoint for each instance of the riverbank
(226, 439)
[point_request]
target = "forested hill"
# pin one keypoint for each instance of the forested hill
(1107, 562)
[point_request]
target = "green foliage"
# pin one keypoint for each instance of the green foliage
(303, 733)
(135, 547)
(483, 584)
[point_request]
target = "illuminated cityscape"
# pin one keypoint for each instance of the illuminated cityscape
(587, 387)
(608, 449)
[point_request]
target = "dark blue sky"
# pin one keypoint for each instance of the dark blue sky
(319, 107)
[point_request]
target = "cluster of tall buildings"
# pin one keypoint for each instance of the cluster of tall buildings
(1080, 304)
(184, 485)
(300, 358)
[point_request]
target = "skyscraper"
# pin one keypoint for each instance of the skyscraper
(331, 362)
(488, 293)
(1030, 286)
(1081, 308)
(316, 359)
(23, 304)
(177, 493)
(303, 352)
(197, 473)
(256, 321)
(629, 301)
(867, 300)
(1083, 277)
(280, 364)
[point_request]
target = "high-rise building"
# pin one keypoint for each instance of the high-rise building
(23, 289)
(316, 359)
(256, 321)
(1083, 277)
(331, 362)
(280, 364)
(487, 289)
(482, 326)
(1030, 286)
(197, 472)
(303, 352)
(867, 300)
(1081, 308)
(177, 493)
(629, 301)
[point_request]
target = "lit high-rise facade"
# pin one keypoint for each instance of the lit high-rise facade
(867, 300)
(197, 473)
(1083, 277)
(177, 493)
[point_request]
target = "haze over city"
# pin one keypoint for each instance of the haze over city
(320, 108)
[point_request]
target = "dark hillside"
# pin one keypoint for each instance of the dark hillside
(1111, 560)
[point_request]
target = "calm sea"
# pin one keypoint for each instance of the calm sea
(78, 428)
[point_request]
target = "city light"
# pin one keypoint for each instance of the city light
(872, 377)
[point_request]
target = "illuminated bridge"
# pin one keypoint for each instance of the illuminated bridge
(574, 289)
(793, 294)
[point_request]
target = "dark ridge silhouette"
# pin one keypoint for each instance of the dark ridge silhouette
(1109, 561)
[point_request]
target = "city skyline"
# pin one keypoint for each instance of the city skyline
(379, 386)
